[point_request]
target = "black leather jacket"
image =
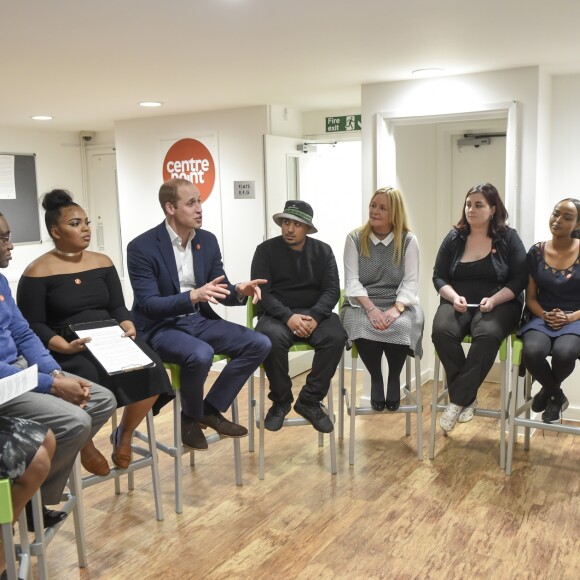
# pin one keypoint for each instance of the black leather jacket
(508, 257)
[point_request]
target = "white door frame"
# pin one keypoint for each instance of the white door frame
(386, 153)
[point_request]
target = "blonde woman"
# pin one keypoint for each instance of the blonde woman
(381, 313)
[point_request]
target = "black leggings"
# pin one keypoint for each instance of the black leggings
(371, 353)
(564, 349)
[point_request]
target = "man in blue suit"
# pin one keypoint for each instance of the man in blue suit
(176, 271)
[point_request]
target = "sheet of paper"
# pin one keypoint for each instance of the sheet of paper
(115, 352)
(22, 382)
(7, 180)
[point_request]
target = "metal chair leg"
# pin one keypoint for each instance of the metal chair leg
(251, 414)
(502, 414)
(261, 436)
(178, 452)
(352, 412)
(341, 397)
(332, 434)
(513, 401)
(419, 402)
(154, 466)
(434, 403)
(408, 380)
(237, 451)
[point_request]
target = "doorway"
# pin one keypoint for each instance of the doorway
(329, 178)
(420, 156)
(103, 204)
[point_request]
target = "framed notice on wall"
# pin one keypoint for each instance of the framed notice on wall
(19, 196)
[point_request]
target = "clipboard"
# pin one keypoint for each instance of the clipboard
(114, 352)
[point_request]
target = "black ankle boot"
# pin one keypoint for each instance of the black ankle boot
(556, 405)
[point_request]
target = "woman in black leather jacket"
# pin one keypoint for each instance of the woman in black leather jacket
(480, 274)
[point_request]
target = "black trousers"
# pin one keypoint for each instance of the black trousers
(465, 373)
(564, 349)
(328, 341)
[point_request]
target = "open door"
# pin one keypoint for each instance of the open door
(282, 179)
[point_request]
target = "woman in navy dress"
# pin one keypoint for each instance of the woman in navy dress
(553, 299)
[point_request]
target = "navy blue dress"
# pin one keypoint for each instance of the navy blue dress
(556, 289)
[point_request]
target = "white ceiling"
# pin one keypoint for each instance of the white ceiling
(88, 63)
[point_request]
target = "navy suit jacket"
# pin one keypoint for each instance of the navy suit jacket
(153, 274)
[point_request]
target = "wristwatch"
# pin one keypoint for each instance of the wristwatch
(400, 307)
(56, 373)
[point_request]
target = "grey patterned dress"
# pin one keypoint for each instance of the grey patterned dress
(19, 442)
(381, 276)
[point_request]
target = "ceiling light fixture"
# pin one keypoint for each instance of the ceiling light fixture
(41, 117)
(427, 72)
(150, 104)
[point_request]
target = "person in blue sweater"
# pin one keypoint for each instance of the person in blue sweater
(71, 407)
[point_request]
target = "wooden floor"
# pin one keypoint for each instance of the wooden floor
(388, 516)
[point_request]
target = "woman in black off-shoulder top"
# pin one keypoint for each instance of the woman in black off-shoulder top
(71, 284)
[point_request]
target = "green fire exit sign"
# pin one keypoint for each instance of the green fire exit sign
(344, 123)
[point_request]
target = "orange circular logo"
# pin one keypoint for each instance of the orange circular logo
(190, 159)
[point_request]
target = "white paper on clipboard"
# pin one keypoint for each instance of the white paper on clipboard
(18, 383)
(116, 353)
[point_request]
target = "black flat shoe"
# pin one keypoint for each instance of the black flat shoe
(378, 405)
(392, 405)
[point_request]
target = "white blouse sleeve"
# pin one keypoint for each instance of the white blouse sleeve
(353, 286)
(407, 293)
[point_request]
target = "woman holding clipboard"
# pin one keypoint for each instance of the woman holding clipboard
(71, 285)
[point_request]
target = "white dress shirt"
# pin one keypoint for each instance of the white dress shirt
(183, 259)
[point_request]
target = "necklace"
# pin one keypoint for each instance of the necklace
(67, 254)
(380, 236)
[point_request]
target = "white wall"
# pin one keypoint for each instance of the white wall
(57, 165)
(454, 95)
(139, 163)
(417, 148)
(564, 180)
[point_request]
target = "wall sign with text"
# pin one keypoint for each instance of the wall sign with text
(344, 123)
(190, 159)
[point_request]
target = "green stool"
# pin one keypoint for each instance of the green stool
(6, 515)
(292, 422)
(178, 449)
(73, 504)
(523, 406)
(440, 400)
(412, 403)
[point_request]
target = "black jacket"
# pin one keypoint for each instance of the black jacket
(508, 257)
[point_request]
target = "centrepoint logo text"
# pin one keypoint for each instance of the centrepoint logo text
(193, 170)
(190, 159)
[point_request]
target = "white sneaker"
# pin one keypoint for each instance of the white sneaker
(467, 414)
(449, 417)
